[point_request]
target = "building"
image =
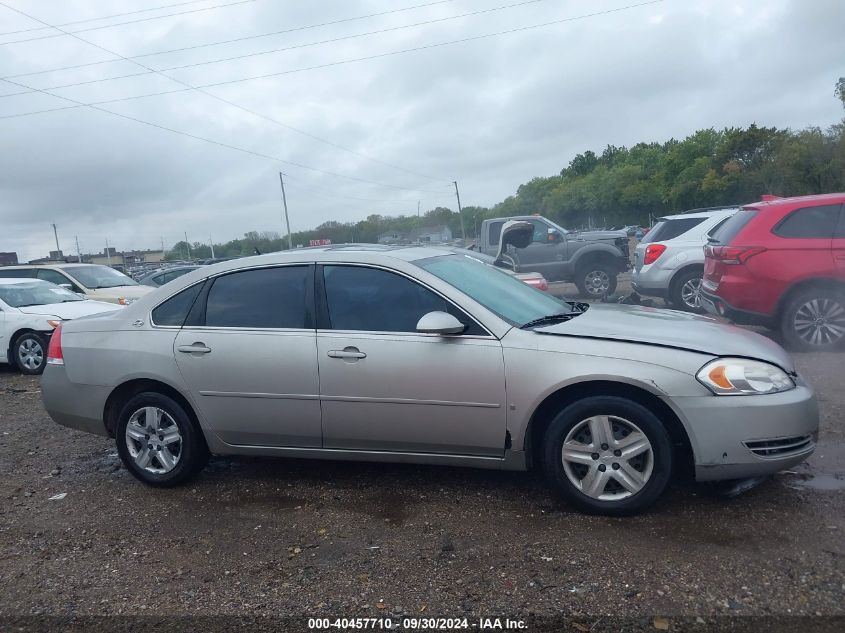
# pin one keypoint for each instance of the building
(8, 259)
(393, 237)
(109, 257)
(431, 234)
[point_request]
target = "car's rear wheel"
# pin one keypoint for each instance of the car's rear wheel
(814, 320)
(596, 280)
(686, 291)
(608, 455)
(158, 442)
(30, 353)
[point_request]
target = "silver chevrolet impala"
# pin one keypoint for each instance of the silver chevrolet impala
(421, 355)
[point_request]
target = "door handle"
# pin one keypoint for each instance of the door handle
(195, 348)
(348, 353)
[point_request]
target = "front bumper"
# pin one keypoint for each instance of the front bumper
(73, 405)
(734, 437)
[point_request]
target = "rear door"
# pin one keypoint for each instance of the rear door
(248, 355)
(839, 245)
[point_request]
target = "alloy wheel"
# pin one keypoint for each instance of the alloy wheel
(31, 354)
(607, 457)
(691, 293)
(597, 282)
(153, 440)
(820, 321)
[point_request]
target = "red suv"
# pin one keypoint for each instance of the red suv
(781, 263)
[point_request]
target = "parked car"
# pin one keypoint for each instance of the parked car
(535, 280)
(416, 354)
(591, 259)
(161, 276)
(29, 312)
(669, 261)
(780, 263)
(94, 281)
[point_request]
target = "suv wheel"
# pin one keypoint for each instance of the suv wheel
(608, 455)
(30, 353)
(814, 320)
(158, 442)
(595, 281)
(686, 291)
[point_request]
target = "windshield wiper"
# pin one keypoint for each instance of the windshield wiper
(551, 318)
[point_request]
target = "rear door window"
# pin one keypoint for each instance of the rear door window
(734, 224)
(267, 298)
(669, 229)
(810, 222)
(174, 311)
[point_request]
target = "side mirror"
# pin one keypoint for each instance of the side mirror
(516, 233)
(439, 323)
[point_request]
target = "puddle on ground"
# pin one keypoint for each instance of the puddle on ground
(824, 471)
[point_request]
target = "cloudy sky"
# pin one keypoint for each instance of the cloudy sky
(153, 159)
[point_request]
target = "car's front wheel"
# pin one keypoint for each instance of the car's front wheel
(814, 320)
(608, 455)
(596, 280)
(158, 442)
(30, 353)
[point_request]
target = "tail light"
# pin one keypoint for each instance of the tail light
(652, 252)
(54, 351)
(733, 254)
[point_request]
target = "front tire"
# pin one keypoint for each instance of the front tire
(608, 455)
(814, 320)
(158, 442)
(596, 280)
(30, 353)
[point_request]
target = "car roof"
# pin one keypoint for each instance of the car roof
(818, 199)
(704, 213)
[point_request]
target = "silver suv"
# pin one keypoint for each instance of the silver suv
(669, 261)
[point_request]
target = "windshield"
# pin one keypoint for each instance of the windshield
(501, 293)
(35, 293)
(99, 277)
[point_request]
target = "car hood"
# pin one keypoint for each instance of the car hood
(597, 236)
(72, 309)
(671, 328)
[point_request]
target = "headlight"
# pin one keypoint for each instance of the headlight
(742, 377)
(126, 302)
(52, 323)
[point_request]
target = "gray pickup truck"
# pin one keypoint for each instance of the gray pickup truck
(590, 259)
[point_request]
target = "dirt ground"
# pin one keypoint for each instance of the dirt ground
(297, 538)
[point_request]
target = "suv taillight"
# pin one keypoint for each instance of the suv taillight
(733, 254)
(652, 252)
(54, 351)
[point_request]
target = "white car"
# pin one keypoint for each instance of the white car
(29, 312)
(92, 280)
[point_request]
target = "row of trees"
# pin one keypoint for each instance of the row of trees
(622, 186)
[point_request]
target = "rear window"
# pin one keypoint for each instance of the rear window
(16, 273)
(730, 229)
(670, 229)
(495, 232)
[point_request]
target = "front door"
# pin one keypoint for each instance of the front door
(250, 359)
(839, 245)
(385, 387)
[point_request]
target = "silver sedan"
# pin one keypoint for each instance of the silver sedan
(421, 355)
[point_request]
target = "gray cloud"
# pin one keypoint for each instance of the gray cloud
(491, 113)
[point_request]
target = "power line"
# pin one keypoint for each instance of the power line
(331, 64)
(150, 70)
(106, 17)
(223, 100)
(110, 26)
(231, 41)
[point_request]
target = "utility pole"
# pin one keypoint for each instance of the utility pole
(78, 253)
(285, 203)
(56, 235)
(108, 252)
(418, 209)
(211, 242)
(188, 245)
(460, 212)
(162, 246)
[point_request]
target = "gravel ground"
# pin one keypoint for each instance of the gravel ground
(270, 536)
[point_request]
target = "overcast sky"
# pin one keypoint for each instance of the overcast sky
(490, 113)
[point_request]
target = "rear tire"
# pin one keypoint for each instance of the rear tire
(814, 320)
(29, 352)
(608, 455)
(158, 442)
(595, 280)
(684, 294)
